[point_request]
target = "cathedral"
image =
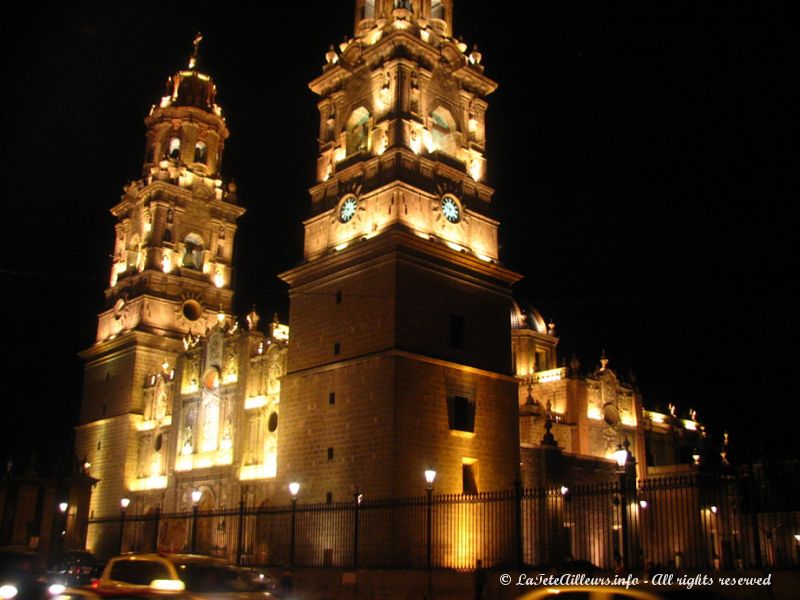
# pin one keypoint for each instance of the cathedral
(405, 349)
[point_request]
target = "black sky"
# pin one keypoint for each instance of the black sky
(640, 151)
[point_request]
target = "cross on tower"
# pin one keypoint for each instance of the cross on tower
(196, 48)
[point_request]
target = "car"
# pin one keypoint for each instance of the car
(190, 576)
(584, 592)
(580, 592)
(22, 574)
(74, 568)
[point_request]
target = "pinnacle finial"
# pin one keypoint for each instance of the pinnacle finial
(195, 50)
(603, 361)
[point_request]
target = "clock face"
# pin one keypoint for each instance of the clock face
(450, 209)
(348, 209)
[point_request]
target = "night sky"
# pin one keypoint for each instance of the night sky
(640, 152)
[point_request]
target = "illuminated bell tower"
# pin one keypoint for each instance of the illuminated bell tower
(400, 356)
(170, 276)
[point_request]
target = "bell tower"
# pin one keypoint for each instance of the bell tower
(400, 358)
(170, 274)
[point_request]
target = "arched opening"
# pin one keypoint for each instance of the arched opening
(193, 252)
(443, 131)
(200, 152)
(205, 524)
(358, 131)
(174, 148)
(135, 258)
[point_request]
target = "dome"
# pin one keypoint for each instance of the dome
(191, 88)
(526, 317)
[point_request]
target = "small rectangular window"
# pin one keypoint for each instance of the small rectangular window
(330, 453)
(338, 297)
(332, 398)
(337, 348)
(329, 498)
(469, 476)
(457, 332)
(461, 413)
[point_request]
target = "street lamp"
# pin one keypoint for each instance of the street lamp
(430, 477)
(622, 455)
(59, 528)
(124, 503)
(357, 498)
(196, 496)
(294, 488)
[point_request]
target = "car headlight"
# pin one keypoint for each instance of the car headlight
(56, 589)
(7, 592)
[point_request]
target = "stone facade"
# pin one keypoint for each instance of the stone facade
(407, 350)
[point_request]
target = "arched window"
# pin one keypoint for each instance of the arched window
(437, 9)
(368, 10)
(443, 131)
(200, 152)
(134, 248)
(358, 131)
(193, 252)
(174, 149)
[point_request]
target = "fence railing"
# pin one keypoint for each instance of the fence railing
(685, 522)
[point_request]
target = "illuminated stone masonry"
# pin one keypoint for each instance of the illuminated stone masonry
(407, 350)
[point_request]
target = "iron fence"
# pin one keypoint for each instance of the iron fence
(685, 522)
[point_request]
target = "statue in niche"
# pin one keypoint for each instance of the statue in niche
(161, 406)
(274, 374)
(227, 434)
(231, 366)
(193, 252)
(188, 444)
(209, 411)
(191, 371)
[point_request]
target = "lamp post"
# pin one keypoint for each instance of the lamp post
(59, 530)
(124, 503)
(196, 496)
(294, 488)
(357, 498)
(430, 477)
(621, 455)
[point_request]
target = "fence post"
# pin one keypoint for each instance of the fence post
(157, 518)
(294, 518)
(240, 536)
(752, 491)
(518, 524)
(195, 510)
